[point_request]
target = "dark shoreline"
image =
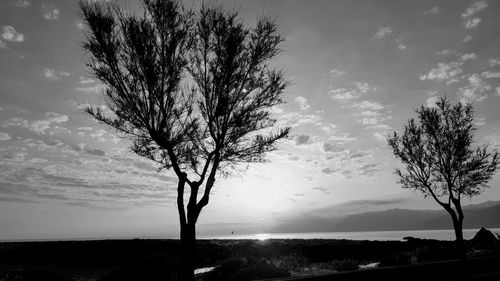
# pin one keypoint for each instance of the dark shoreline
(94, 259)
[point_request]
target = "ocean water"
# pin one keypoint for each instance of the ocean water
(447, 234)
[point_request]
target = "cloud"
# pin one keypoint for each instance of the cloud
(444, 52)
(400, 45)
(88, 85)
(432, 11)
(489, 74)
(321, 189)
(343, 94)
(90, 183)
(432, 101)
(497, 89)
(370, 113)
(302, 101)
(467, 39)
(369, 169)
(475, 8)
(349, 163)
(382, 32)
(471, 23)
(443, 71)
(2, 45)
(337, 73)
(329, 147)
(52, 74)
(355, 91)
(361, 203)
(369, 105)
(296, 119)
(328, 128)
(346, 137)
(4, 136)
(94, 151)
(363, 87)
(99, 135)
(22, 3)
(493, 62)
(302, 139)
(328, 171)
(476, 90)
(38, 126)
(10, 34)
(50, 12)
(468, 56)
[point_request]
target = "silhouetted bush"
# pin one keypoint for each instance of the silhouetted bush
(294, 262)
(32, 275)
(150, 269)
(396, 259)
(345, 264)
(243, 269)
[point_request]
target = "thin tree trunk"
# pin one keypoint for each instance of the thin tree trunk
(460, 244)
(459, 236)
(188, 250)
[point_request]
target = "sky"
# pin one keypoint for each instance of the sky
(359, 69)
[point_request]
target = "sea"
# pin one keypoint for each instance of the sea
(446, 234)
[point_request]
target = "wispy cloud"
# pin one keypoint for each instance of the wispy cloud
(94, 180)
(4, 136)
(340, 161)
(444, 71)
(50, 12)
(332, 148)
(493, 62)
(432, 11)
(490, 74)
(471, 23)
(343, 94)
(337, 73)
(357, 206)
(475, 8)
(52, 74)
(476, 90)
(22, 3)
(382, 32)
(468, 56)
(302, 101)
(302, 139)
(369, 105)
(351, 93)
(9, 33)
(38, 126)
(400, 44)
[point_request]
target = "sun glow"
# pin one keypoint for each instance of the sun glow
(263, 236)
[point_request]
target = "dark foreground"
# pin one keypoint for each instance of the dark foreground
(110, 260)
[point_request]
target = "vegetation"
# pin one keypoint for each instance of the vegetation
(152, 260)
(440, 160)
(191, 90)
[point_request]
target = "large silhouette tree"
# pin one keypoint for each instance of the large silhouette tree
(440, 160)
(191, 90)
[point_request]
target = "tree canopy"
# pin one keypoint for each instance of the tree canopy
(438, 153)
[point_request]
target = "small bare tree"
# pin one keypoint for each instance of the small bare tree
(192, 91)
(440, 161)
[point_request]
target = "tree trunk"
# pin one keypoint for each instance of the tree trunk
(188, 250)
(460, 244)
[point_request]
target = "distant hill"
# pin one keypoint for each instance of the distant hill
(486, 214)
